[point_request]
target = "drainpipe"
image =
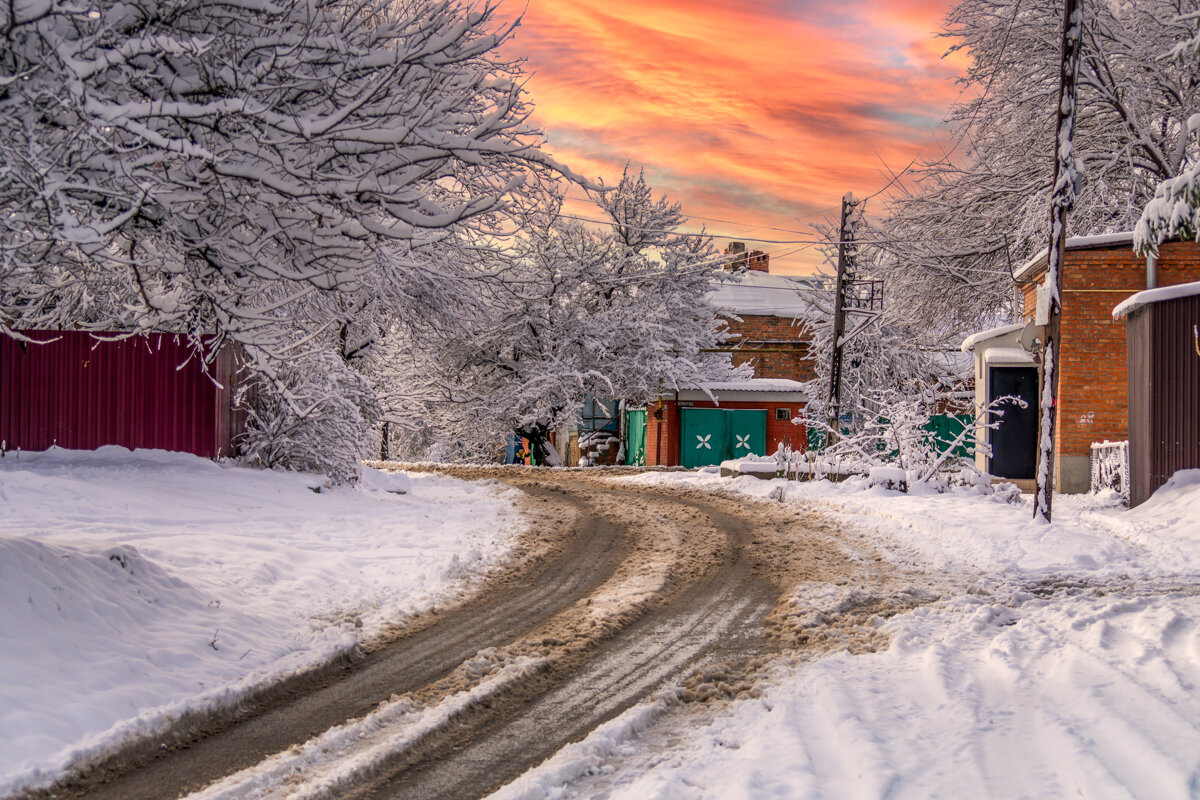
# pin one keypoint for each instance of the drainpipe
(1151, 272)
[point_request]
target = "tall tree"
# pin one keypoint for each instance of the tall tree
(619, 312)
(226, 168)
(973, 214)
(1175, 208)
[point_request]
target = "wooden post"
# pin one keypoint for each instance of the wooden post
(1062, 200)
(839, 324)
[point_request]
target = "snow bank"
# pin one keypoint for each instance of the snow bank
(752, 463)
(1081, 697)
(139, 585)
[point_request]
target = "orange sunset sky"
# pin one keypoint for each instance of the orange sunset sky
(761, 112)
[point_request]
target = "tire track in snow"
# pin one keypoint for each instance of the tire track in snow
(647, 586)
(719, 615)
(301, 708)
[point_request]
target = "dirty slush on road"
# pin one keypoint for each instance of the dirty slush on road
(616, 595)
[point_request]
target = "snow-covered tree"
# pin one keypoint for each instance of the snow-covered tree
(287, 174)
(1175, 209)
(314, 414)
(884, 354)
(973, 215)
(618, 312)
(213, 167)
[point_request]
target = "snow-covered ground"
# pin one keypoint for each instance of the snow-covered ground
(139, 585)
(1070, 667)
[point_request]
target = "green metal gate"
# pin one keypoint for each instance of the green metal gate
(712, 435)
(635, 437)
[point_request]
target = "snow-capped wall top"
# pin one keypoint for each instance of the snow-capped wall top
(764, 294)
(754, 385)
(1007, 355)
(1076, 243)
(969, 343)
(1125, 307)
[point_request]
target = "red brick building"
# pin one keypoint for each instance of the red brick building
(1098, 273)
(765, 313)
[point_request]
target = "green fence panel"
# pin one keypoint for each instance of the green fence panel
(946, 428)
(635, 437)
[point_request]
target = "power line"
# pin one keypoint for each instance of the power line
(752, 227)
(707, 235)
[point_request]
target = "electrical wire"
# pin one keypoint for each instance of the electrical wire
(707, 235)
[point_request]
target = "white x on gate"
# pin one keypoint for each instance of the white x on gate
(742, 441)
(704, 441)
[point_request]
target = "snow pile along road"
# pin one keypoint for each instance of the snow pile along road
(1067, 666)
(141, 585)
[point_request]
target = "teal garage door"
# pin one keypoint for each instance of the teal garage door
(712, 435)
(704, 433)
(749, 432)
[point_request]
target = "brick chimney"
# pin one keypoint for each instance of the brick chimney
(738, 251)
(754, 259)
(758, 260)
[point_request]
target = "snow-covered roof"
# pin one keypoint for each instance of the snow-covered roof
(764, 294)
(1075, 243)
(969, 343)
(1132, 302)
(754, 385)
(752, 389)
(1007, 355)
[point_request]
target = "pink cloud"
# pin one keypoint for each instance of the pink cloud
(755, 111)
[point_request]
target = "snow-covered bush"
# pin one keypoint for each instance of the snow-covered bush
(1175, 209)
(897, 432)
(315, 414)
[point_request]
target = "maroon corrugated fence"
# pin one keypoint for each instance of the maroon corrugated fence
(80, 392)
(1164, 393)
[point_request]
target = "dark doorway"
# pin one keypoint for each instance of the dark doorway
(1014, 443)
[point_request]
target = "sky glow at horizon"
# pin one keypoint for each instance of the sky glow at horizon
(760, 112)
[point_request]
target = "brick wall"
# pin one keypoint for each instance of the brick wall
(774, 347)
(1093, 403)
(664, 452)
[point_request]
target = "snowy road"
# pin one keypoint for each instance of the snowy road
(621, 593)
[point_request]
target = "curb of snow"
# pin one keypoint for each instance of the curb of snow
(167, 726)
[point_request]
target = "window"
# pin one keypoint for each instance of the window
(783, 413)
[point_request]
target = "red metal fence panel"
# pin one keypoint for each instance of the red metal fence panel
(80, 392)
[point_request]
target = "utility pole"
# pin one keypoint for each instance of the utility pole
(844, 274)
(1064, 187)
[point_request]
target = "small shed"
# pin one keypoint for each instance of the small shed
(719, 421)
(1004, 368)
(1163, 336)
(77, 390)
